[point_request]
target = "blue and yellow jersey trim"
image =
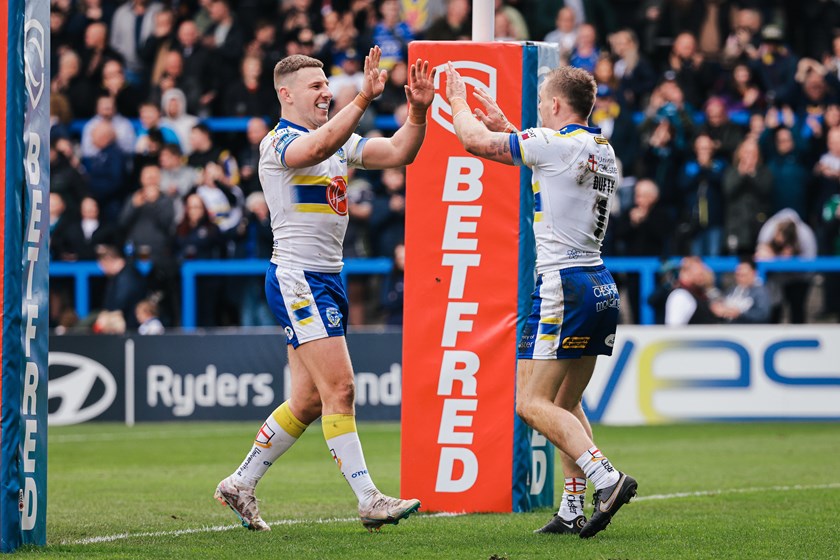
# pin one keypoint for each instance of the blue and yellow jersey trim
(310, 194)
(538, 215)
(549, 328)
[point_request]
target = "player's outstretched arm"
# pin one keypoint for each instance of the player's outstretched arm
(492, 116)
(476, 138)
(316, 147)
(401, 148)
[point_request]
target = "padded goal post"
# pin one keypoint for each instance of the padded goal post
(469, 277)
(24, 92)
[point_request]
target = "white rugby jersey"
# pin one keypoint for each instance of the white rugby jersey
(574, 179)
(308, 206)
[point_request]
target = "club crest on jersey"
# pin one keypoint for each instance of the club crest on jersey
(337, 195)
(334, 316)
(342, 156)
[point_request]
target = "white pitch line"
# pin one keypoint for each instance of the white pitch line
(738, 491)
(221, 528)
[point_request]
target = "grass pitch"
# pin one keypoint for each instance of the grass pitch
(705, 491)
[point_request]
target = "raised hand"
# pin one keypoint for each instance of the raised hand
(420, 90)
(454, 84)
(375, 78)
(494, 119)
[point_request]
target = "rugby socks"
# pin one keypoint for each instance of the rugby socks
(571, 504)
(346, 449)
(597, 468)
(279, 432)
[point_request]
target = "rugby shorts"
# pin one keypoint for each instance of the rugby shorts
(308, 305)
(574, 314)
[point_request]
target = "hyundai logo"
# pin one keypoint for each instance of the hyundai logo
(74, 388)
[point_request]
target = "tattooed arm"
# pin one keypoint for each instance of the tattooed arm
(474, 135)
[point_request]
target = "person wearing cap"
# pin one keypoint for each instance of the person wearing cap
(776, 66)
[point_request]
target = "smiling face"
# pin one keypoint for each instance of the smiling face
(305, 97)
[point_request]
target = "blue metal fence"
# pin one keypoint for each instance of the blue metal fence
(646, 267)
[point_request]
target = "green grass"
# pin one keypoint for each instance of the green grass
(154, 480)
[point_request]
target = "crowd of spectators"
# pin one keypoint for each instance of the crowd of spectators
(725, 116)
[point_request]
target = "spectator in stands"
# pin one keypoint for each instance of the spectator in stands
(154, 51)
(267, 48)
(258, 241)
(393, 289)
(226, 39)
(132, 24)
(86, 13)
(64, 241)
(518, 29)
(124, 287)
(341, 44)
(199, 83)
(812, 93)
(585, 52)
(106, 171)
(391, 34)
(70, 83)
(785, 235)
(455, 25)
(776, 66)
(691, 71)
(247, 96)
(249, 157)
(148, 218)
(725, 134)
(785, 160)
(690, 302)
(565, 32)
(394, 93)
(302, 41)
(830, 222)
(176, 178)
(224, 200)
(741, 91)
(636, 76)
(94, 231)
(387, 220)
(150, 120)
(127, 97)
(106, 111)
(146, 313)
(748, 301)
(642, 230)
(97, 52)
(827, 171)
(205, 151)
(173, 104)
(197, 237)
(299, 14)
(747, 188)
(616, 123)
(66, 173)
(741, 45)
(701, 182)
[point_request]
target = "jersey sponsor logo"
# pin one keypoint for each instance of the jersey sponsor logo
(290, 334)
(601, 140)
(605, 290)
(474, 74)
(528, 134)
(610, 340)
(592, 163)
(334, 316)
(575, 342)
(337, 195)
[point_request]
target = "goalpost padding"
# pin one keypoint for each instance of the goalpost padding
(24, 92)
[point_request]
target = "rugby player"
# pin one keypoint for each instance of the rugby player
(575, 303)
(303, 171)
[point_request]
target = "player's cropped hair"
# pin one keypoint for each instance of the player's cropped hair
(292, 64)
(577, 86)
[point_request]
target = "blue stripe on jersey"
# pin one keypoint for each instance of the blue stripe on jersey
(289, 124)
(302, 313)
(549, 328)
(310, 194)
(572, 127)
(537, 201)
(515, 151)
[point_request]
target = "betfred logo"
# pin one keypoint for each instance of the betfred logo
(474, 74)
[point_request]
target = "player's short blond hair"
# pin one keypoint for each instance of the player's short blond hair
(292, 64)
(575, 85)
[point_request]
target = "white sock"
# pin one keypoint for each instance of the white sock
(346, 449)
(571, 504)
(597, 468)
(279, 432)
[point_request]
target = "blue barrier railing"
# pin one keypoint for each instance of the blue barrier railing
(646, 267)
